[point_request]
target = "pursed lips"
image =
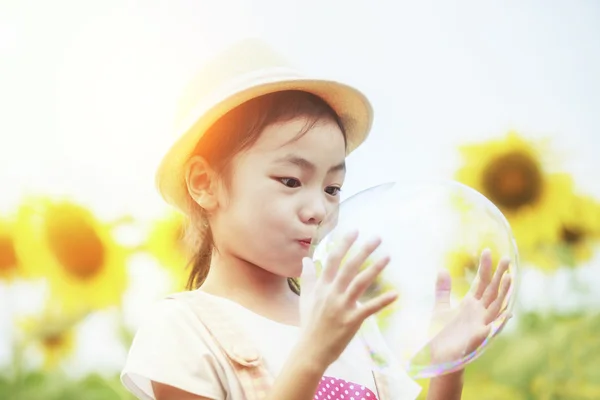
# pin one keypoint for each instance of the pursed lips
(305, 242)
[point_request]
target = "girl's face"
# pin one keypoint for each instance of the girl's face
(280, 189)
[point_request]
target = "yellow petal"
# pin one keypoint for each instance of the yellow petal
(76, 252)
(166, 243)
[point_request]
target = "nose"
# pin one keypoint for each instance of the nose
(313, 211)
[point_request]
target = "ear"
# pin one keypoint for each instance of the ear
(201, 182)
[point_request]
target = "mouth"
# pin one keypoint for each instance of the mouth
(305, 242)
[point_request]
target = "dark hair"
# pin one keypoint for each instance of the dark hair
(235, 131)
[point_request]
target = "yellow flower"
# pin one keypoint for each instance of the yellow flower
(543, 257)
(74, 251)
(9, 263)
(52, 333)
(166, 243)
(462, 267)
(477, 231)
(510, 172)
(578, 235)
(580, 230)
(463, 264)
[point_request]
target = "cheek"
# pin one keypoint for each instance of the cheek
(264, 232)
(259, 210)
(271, 215)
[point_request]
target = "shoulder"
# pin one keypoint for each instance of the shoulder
(173, 307)
(169, 316)
(188, 307)
(172, 346)
(174, 322)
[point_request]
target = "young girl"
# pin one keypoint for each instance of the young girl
(258, 166)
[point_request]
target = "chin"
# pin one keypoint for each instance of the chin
(295, 274)
(296, 270)
(283, 265)
(289, 268)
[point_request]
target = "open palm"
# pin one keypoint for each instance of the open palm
(464, 328)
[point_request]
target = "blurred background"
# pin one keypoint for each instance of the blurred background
(502, 96)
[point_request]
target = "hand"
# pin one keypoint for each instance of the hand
(329, 308)
(465, 328)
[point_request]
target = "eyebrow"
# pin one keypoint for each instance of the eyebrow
(303, 163)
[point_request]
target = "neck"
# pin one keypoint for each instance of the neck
(253, 287)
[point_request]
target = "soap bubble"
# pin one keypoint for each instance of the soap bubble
(449, 308)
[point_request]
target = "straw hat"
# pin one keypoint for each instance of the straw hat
(242, 72)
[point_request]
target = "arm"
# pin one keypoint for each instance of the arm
(167, 392)
(446, 387)
(300, 376)
(478, 310)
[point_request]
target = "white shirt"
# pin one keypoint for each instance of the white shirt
(173, 347)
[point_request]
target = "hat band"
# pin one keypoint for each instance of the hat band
(234, 86)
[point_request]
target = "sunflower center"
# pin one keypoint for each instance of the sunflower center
(571, 236)
(8, 256)
(75, 242)
(468, 265)
(53, 341)
(513, 181)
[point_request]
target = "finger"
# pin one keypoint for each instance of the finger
(491, 292)
(365, 278)
(375, 305)
(443, 288)
(496, 306)
(337, 255)
(352, 267)
(484, 274)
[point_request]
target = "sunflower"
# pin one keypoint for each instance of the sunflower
(510, 173)
(580, 230)
(462, 263)
(9, 263)
(77, 254)
(51, 333)
(578, 236)
(166, 243)
(543, 257)
(462, 267)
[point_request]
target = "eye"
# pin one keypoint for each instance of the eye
(290, 182)
(333, 190)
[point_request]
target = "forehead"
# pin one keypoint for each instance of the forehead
(321, 139)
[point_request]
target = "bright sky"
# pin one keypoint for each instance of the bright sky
(86, 88)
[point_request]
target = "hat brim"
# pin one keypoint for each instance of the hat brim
(353, 109)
